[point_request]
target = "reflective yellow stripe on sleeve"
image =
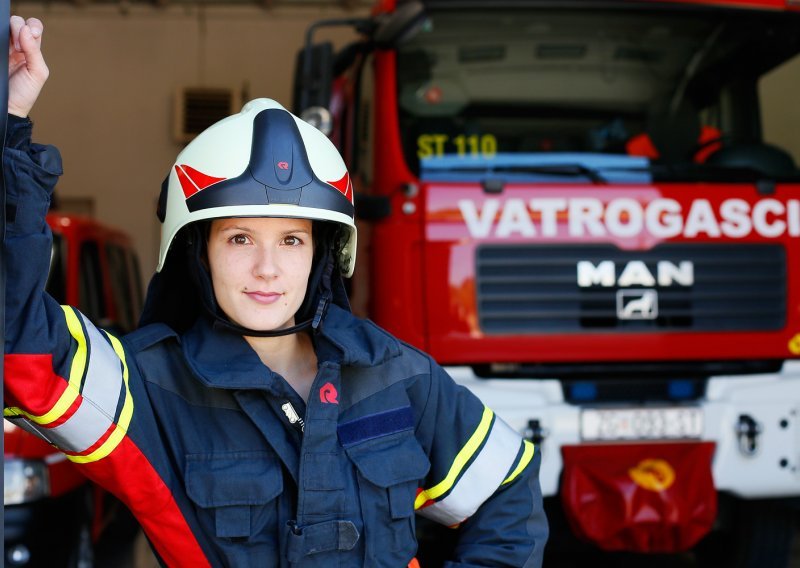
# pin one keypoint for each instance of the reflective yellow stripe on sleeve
(481, 478)
(121, 427)
(527, 456)
(461, 460)
(76, 373)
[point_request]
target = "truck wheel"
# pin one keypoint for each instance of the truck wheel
(759, 534)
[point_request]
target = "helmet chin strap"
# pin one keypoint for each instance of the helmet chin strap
(227, 325)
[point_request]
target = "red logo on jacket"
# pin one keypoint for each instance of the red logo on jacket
(328, 394)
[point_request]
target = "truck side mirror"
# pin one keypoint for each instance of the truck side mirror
(313, 77)
(315, 65)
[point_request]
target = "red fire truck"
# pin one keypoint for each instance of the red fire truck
(571, 204)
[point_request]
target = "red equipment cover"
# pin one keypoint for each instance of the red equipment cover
(656, 497)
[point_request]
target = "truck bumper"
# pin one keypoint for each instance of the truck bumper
(766, 464)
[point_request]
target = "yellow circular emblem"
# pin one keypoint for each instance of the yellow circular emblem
(794, 345)
(653, 474)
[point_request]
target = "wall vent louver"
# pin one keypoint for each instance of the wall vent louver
(197, 108)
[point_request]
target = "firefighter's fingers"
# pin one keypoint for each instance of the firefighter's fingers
(30, 40)
(15, 24)
(37, 28)
(27, 70)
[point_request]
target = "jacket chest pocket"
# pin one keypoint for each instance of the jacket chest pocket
(237, 493)
(389, 472)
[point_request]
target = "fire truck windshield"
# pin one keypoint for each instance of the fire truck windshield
(530, 89)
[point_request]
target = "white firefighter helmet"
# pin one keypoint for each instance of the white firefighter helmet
(261, 162)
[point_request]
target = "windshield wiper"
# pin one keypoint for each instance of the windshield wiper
(564, 170)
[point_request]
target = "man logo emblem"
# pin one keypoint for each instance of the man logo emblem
(637, 304)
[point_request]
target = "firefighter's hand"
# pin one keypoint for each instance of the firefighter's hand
(27, 71)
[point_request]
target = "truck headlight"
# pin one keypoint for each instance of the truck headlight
(24, 481)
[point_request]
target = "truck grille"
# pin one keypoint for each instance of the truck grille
(534, 289)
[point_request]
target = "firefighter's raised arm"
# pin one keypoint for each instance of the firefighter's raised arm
(27, 71)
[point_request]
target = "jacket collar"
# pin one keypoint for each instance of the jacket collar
(361, 343)
(221, 359)
(224, 360)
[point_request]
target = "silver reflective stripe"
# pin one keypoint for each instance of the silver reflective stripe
(82, 430)
(103, 383)
(101, 393)
(481, 479)
(31, 427)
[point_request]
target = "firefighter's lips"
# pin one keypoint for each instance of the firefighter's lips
(264, 298)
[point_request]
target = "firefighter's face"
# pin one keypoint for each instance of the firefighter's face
(260, 269)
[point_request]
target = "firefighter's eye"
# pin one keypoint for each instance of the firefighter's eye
(292, 241)
(239, 239)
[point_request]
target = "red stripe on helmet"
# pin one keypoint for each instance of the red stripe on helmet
(200, 179)
(193, 181)
(188, 187)
(345, 186)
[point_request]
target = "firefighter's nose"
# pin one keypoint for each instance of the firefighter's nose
(265, 265)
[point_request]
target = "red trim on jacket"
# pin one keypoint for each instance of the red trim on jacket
(128, 474)
(102, 440)
(24, 371)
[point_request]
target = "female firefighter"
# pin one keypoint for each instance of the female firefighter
(252, 419)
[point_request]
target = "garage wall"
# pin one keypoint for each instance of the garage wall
(109, 102)
(780, 107)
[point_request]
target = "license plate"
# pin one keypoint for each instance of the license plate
(641, 423)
